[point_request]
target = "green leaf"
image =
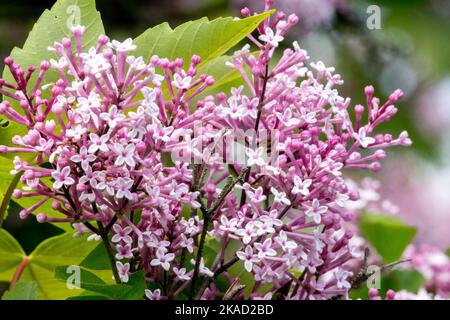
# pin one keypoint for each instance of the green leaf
(387, 234)
(208, 39)
(97, 259)
(11, 254)
(6, 196)
(53, 252)
(23, 290)
(397, 280)
(448, 252)
(133, 290)
(52, 25)
(409, 280)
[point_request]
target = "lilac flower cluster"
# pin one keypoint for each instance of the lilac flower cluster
(431, 262)
(107, 125)
(434, 265)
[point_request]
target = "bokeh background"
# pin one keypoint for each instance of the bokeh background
(410, 51)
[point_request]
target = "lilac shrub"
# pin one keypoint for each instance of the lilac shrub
(98, 144)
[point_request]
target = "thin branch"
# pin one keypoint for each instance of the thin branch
(255, 135)
(207, 215)
(109, 251)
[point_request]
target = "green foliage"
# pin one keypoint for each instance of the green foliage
(11, 254)
(133, 290)
(409, 280)
(208, 39)
(23, 290)
(53, 252)
(97, 259)
(387, 234)
(53, 25)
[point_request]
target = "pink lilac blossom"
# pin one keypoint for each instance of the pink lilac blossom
(106, 125)
(427, 259)
(434, 265)
(426, 208)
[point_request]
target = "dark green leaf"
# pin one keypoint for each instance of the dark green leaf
(97, 259)
(133, 290)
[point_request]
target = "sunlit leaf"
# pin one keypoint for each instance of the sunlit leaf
(53, 25)
(53, 252)
(23, 290)
(11, 254)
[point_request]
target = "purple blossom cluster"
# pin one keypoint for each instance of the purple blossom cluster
(434, 265)
(100, 135)
(431, 262)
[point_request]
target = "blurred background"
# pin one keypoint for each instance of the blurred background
(410, 50)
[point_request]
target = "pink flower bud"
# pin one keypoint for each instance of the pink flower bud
(390, 294)
(24, 214)
(196, 59)
(9, 61)
(41, 218)
(17, 193)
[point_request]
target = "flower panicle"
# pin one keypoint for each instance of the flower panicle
(96, 146)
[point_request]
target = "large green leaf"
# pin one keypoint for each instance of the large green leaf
(23, 290)
(53, 252)
(133, 290)
(52, 25)
(11, 255)
(208, 39)
(387, 234)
